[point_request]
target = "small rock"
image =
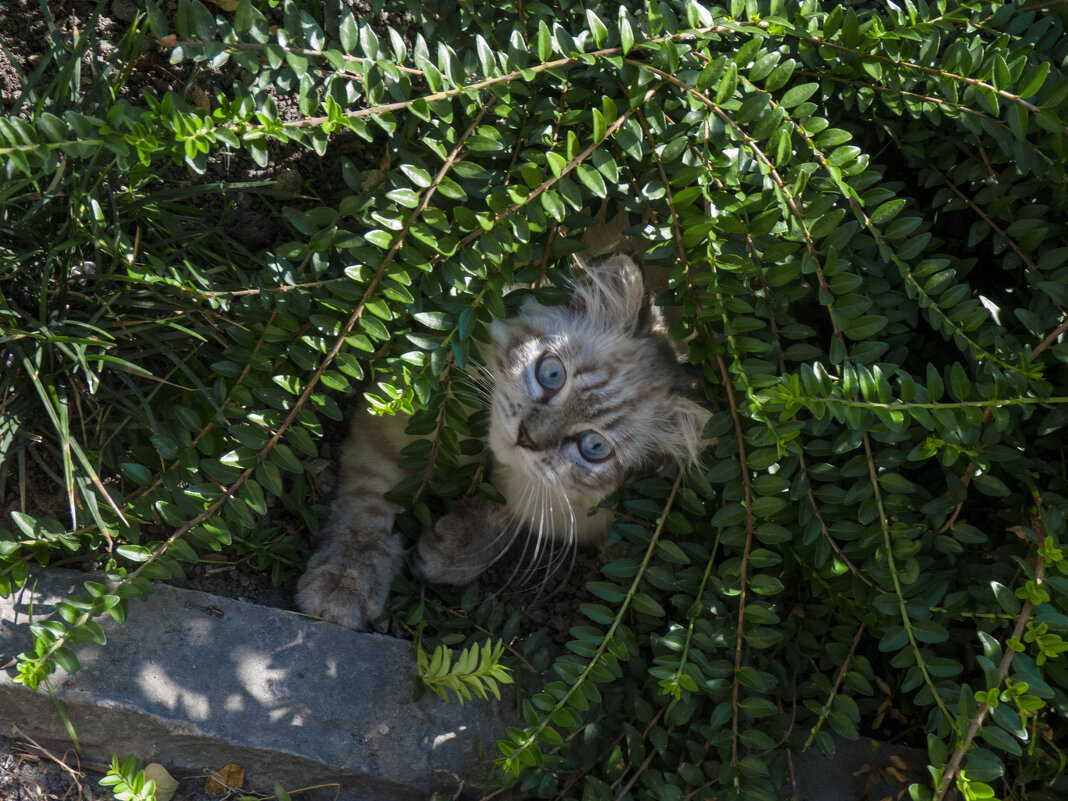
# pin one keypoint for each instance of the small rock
(199, 98)
(124, 10)
(289, 181)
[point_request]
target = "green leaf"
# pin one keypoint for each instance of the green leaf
(929, 631)
(545, 42)
(439, 321)
(368, 41)
(728, 83)
(485, 56)
(596, 27)
(887, 211)
(626, 32)
(599, 125)
(796, 95)
(135, 553)
(1006, 598)
(1001, 739)
(1032, 80)
(865, 327)
(991, 485)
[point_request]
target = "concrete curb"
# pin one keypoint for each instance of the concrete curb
(197, 681)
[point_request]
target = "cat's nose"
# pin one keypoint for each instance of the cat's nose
(524, 440)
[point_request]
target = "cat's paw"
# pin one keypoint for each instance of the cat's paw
(350, 589)
(462, 544)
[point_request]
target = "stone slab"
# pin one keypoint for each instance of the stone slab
(197, 681)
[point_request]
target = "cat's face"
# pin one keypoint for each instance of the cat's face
(587, 391)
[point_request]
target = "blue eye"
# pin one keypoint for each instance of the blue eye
(550, 372)
(593, 447)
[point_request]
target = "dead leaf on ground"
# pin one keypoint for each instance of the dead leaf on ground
(199, 98)
(225, 5)
(224, 779)
(165, 783)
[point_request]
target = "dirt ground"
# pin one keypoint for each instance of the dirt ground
(30, 772)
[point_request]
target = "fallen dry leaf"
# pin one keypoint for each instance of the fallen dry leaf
(222, 780)
(199, 98)
(225, 5)
(165, 783)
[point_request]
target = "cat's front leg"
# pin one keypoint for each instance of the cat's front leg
(465, 542)
(348, 578)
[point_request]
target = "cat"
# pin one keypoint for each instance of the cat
(581, 393)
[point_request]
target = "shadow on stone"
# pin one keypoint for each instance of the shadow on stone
(198, 681)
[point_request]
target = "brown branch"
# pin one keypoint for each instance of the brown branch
(641, 769)
(819, 42)
(983, 215)
(976, 723)
(548, 182)
(837, 683)
(1049, 340)
(827, 532)
(173, 41)
(888, 90)
(750, 526)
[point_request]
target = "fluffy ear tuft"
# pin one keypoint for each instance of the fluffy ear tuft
(610, 294)
(682, 431)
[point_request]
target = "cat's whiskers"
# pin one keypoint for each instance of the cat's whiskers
(536, 493)
(471, 399)
(472, 388)
(519, 515)
(569, 538)
(547, 499)
(551, 547)
(533, 496)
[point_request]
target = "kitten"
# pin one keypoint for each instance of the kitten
(581, 394)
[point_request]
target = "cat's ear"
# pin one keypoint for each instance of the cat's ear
(682, 426)
(611, 294)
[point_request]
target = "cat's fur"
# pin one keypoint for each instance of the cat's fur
(581, 393)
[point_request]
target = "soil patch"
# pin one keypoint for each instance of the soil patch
(30, 772)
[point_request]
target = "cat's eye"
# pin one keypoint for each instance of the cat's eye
(593, 447)
(550, 372)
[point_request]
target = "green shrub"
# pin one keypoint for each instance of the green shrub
(861, 207)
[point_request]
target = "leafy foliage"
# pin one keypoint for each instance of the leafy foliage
(477, 671)
(127, 780)
(860, 206)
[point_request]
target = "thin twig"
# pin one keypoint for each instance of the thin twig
(984, 217)
(174, 41)
(976, 723)
(846, 663)
(74, 775)
(750, 527)
(1049, 340)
